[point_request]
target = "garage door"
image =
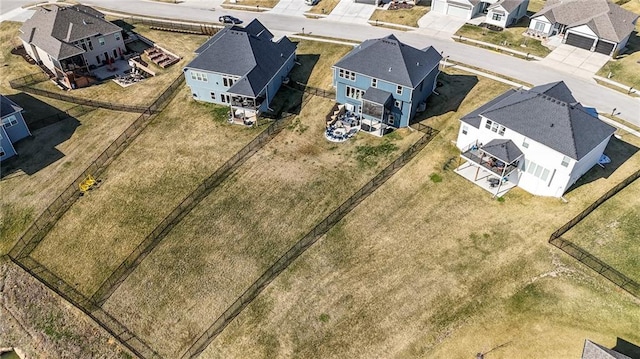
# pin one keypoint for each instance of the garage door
(458, 11)
(439, 6)
(579, 41)
(604, 47)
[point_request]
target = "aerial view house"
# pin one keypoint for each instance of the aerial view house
(13, 127)
(242, 68)
(385, 81)
(595, 25)
(498, 12)
(541, 140)
(71, 42)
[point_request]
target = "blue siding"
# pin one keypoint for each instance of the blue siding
(19, 130)
(6, 145)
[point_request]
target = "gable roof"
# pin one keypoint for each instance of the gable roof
(54, 29)
(508, 5)
(390, 60)
(548, 114)
(7, 107)
(249, 53)
(607, 20)
(593, 350)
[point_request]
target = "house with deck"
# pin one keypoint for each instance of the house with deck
(385, 82)
(541, 140)
(12, 129)
(500, 13)
(241, 67)
(595, 25)
(70, 42)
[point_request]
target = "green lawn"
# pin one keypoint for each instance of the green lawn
(407, 17)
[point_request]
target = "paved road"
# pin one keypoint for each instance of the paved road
(534, 72)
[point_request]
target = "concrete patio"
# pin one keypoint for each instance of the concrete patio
(119, 67)
(481, 179)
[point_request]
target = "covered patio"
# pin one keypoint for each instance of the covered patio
(376, 106)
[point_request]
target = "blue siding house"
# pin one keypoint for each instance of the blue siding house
(242, 68)
(385, 81)
(13, 127)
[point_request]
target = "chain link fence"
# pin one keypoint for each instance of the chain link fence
(311, 90)
(305, 242)
(587, 258)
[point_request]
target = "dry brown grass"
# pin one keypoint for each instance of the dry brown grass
(407, 17)
(324, 7)
(439, 270)
(319, 56)
(257, 3)
(179, 149)
(535, 5)
(242, 228)
(13, 66)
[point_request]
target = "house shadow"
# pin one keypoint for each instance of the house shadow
(289, 98)
(49, 127)
(123, 25)
(633, 45)
(629, 349)
(618, 151)
(451, 90)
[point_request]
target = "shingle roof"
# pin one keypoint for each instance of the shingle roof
(390, 60)
(508, 5)
(248, 52)
(55, 29)
(504, 150)
(593, 350)
(7, 107)
(376, 95)
(547, 114)
(607, 20)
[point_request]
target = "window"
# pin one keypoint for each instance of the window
(398, 104)
(565, 161)
(535, 170)
(213, 95)
(497, 17)
(227, 81)
(494, 127)
(465, 129)
(225, 98)
(98, 59)
(539, 26)
(391, 119)
(525, 143)
(90, 45)
(1, 151)
(117, 36)
(545, 174)
(488, 124)
(374, 82)
(346, 74)
(354, 93)
(501, 130)
(399, 90)
(10, 121)
(199, 76)
(101, 41)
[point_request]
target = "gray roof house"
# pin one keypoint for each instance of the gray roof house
(241, 67)
(596, 25)
(593, 350)
(500, 13)
(543, 138)
(70, 41)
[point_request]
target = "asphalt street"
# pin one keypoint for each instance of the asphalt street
(534, 72)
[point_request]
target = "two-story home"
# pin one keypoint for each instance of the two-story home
(12, 129)
(71, 41)
(498, 12)
(241, 67)
(542, 140)
(595, 25)
(385, 81)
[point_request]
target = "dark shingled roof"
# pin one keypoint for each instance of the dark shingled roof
(7, 107)
(593, 350)
(508, 5)
(390, 60)
(607, 20)
(504, 150)
(55, 29)
(248, 52)
(376, 95)
(547, 114)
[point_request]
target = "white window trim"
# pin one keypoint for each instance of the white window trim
(353, 92)
(10, 121)
(565, 161)
(399, 90)
(374, 82)
(199, 76)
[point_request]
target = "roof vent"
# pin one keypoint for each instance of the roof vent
(389, 69)
(552, 125)
(84, 21)
(418, 63)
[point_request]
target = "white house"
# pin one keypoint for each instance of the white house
(71, 41)
(595, 25)
(499, 12)
(541, 140)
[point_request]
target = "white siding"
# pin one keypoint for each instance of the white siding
(542, 21)
(583, 30)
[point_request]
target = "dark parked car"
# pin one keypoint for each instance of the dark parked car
(228, 19)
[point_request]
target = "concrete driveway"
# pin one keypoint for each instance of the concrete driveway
(440, 25)
(291, 7)
(351, 12)
(576, 61)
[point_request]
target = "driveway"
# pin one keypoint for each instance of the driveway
(439, 25)
(351, 12)
(576, 61)
(290, 7)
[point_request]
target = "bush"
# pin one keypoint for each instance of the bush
(435, 178)
(368, 155)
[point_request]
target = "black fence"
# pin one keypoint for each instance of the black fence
(74, 112)
(116, 278)
(174, 26)
(28, 80)
(47, 219)
(312, 90)
(304, 243)
(587, 258)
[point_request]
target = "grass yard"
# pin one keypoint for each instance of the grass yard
(49, 162)
(318, 55)
(407, 17)
(13, 66)
(257, 3)
(611, 232)
(146, 92)
(510, 37)
(433, 269)
(179, 149)
(535, 6)
(626, 68)
(323, 7)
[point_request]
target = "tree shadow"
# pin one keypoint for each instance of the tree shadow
(629, 349)
(618, 151)
(452, 90)
(290, 97)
